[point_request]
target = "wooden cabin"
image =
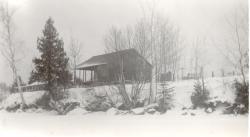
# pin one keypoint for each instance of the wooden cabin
(107, 68)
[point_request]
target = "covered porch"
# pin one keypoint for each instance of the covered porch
(87, 75)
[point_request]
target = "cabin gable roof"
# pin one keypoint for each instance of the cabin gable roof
(106, 58)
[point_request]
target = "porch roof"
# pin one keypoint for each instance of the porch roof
(89, 66)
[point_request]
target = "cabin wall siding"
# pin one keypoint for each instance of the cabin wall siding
(135, 67)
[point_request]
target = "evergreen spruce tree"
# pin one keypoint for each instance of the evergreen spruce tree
(52, 66)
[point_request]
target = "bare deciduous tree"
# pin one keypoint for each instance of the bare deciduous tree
(163, 40)
(114, 40)
(169, 47)
(235, 48)
(141, 39)
(198, 56)
(75, 53)
(9, 44)
(156, 39)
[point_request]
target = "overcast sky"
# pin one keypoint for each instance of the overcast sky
(88, 20)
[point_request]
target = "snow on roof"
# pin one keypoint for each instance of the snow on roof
(90, 65)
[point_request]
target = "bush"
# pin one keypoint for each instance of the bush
(200, 95)
(3, 96)
(13, 102)
(59, 94)
(4, 91)
(43, 102)
(13, 108)
(58, 104)
(165, 98)
(99, 103)
(241, 100)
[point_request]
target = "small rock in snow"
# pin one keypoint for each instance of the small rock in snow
(124, 112)
(112, 111)
(118, 104)
(154, 105)
(39, 110)
(31, 110)
(151, 111)
(241, 106)
(77, 111)
(192, 114)
(138, 111)
(209, 110)
(185, 113)
(184, 108)
(19, 111)
(157, 113)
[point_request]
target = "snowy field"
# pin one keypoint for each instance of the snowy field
(102, 125)
(174, 123)
(218, 87)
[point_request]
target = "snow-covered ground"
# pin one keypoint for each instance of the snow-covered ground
(174, 123)
(30, 98)
(218, 87)
(102, 125)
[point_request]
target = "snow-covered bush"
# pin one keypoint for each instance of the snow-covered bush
(13, 101)
(242, 97)
(77, 111)
(200, 95)
(63, 108)
(152, 108)
(4, 91)
(112, 93)
(43, 102)
(3, 95)
(61, 102)
(59, 93)
(165, 98)
(98, 103)
(135, 95)
(240, 105)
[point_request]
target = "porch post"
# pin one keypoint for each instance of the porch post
(79, 75)
(91, 79)
(85, 75)
(95, 74)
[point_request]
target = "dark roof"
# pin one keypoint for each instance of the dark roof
(104, 58)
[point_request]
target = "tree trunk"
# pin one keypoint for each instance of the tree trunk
(150, 91)
(74, 71)
(122, 87)
(23, 105)
(202, 80)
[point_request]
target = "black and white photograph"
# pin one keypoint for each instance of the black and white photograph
(124, 68)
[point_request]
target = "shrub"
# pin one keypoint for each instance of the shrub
(165, 98)
(241, 100)
(59, 93)
(3, 96)
(4, 91)
(200, 95)
(13, 108)
(99, 103)
(43, 102)
(54, 101)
